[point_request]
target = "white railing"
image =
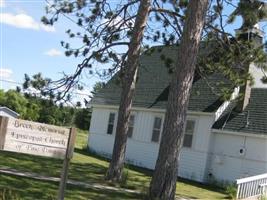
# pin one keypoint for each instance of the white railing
(250, 187)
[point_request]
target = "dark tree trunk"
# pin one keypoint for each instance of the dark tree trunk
(163, 183)
(115, 170)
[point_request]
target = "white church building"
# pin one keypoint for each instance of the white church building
(224, 140)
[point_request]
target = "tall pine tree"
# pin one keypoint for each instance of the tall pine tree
(163, 183)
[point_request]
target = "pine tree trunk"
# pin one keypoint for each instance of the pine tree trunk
(115, 170)
(163, 183)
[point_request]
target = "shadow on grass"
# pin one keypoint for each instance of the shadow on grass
(148, 173)
(88, 172)
(89, 153)
(29, 189)
(201, 185)
(85, 167)
(28, 163)
(142, 170)
(137, 178)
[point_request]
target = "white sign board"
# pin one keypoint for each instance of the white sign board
(39, 139)
(35, 138)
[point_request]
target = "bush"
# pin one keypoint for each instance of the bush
(229, 187)
(231, 191)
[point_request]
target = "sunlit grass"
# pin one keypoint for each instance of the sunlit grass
(87, 168)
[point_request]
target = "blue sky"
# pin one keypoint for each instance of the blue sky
(27, 46)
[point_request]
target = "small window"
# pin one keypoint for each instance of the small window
(189, 130)
(111, 123)
(156, 129)
(131, 126)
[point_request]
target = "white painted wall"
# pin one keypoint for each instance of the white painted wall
(142, 152)
(228, 164)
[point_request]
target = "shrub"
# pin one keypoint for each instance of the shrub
(231, 191)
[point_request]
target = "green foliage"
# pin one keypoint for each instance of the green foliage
(15, 101)
(83, 118)
(43, 104)
(33, 111)
(231, 190)
(97, 87)
(250, 11)
(38, 82)
(40, 86)
(7, 194)
(44, 110)
(230, 56)
(20, 104)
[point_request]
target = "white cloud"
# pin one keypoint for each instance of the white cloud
(23, 21)
(5, 73)
(2, 3)
(47, 28)
(19, 21)
(53, 52)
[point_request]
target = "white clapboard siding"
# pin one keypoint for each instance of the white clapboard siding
(145, 155)
(228, 164)
(142, 152)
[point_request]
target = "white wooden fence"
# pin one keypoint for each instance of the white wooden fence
(250, 187)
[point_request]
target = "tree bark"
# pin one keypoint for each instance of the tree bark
(115, 170)
(163, 183)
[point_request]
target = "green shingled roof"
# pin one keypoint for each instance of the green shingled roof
(252, 120)
(153, 82)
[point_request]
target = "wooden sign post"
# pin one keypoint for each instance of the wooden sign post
(3, 127)
(33, 138)
(66, 163)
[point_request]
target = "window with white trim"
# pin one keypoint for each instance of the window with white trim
(111, 121)
(189, 132)
(156, 129)
(130, 126)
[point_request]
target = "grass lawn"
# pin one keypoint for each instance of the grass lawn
(86, 168)
(29, 189)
